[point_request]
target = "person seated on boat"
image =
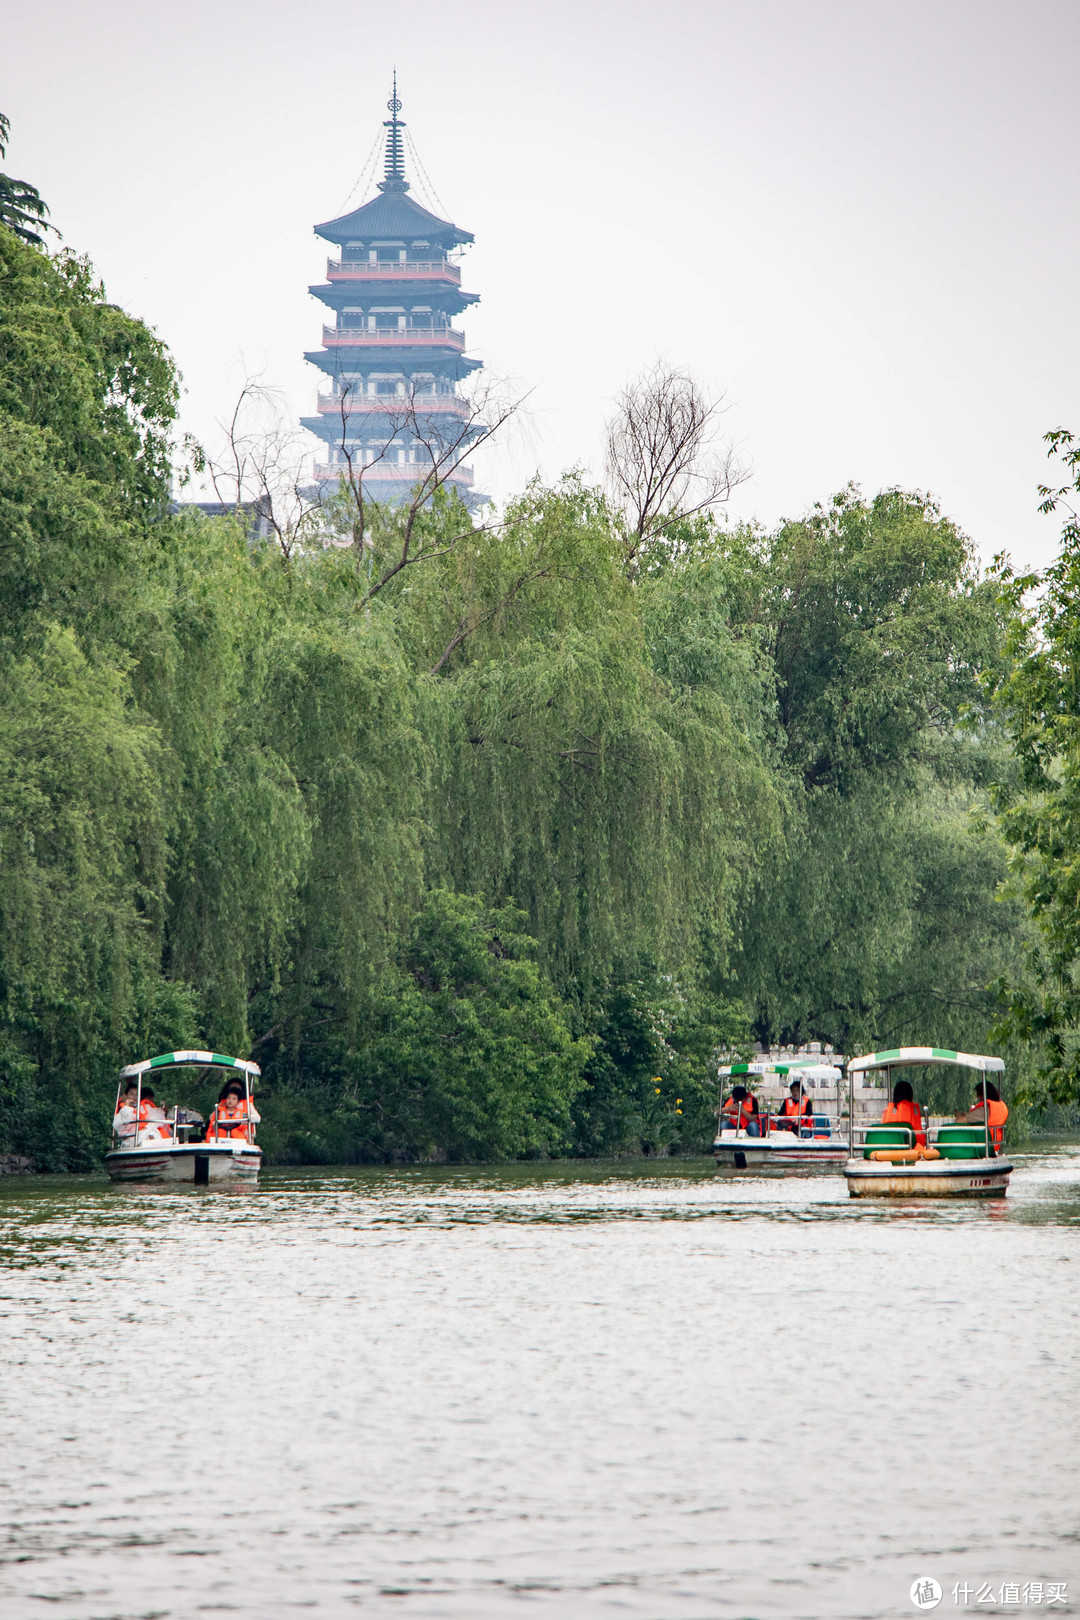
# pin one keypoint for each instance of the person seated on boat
(740, 1112)
(987, 1103)
(233, 1114)
(152, 1116)
(126, 1113)
(904, 1110)
(796, 1111)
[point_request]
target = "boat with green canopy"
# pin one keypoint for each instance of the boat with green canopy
(817, 1136)
(894, 1158)
(156, 1141)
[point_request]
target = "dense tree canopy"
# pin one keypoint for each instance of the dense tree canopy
(494, 859)
(1039, 699)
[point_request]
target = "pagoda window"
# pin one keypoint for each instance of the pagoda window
(352, 317)
(354, 253)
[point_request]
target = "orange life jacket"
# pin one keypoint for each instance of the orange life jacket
(999, 1113)
(228, 1122)
(803, 1111)
(905, 1113)
(742, 1113)
(162, 1126)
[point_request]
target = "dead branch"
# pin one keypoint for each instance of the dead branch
(440, 444)
(660, 462)
(258, 471)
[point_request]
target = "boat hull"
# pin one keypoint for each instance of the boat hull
(736, 1149)
(936, 1178)
(197, 1162)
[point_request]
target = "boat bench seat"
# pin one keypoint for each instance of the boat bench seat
(879, 1137)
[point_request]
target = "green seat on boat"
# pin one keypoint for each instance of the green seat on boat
(879, 1137)
(963, 1142)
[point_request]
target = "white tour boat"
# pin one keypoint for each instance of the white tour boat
(961, 1160)
(820, 1139)
(151, 1143)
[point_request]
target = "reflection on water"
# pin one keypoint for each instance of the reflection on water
(640, 1390)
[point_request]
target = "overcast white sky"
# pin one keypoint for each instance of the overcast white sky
(859, 220)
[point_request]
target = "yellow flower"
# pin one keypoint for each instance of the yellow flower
(678, 1110)
(678, 1099)
(658, 1091)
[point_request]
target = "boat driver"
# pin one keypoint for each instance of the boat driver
(740, 1112)
(796, 1111)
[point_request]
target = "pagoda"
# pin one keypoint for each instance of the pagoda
(392, 355)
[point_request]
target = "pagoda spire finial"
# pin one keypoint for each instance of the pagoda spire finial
(394, 168)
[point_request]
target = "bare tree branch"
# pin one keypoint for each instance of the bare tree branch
(258, 472)
(660, 462)
(436, 443)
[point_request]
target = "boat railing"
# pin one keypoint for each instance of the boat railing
(825, 1126)
(177, 1130)
(149, 1134)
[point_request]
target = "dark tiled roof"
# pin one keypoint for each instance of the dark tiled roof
(393, 214)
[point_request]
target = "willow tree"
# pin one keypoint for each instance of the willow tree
(879, 920)
(86, 401)
(571, 773)
(1038, 701)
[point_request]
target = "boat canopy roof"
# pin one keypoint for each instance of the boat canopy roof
(202, 1060)
(799, 1067)
(898, 1056)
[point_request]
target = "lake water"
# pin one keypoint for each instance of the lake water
(639, 1390)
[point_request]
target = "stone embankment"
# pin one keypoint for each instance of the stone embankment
(16, 1164)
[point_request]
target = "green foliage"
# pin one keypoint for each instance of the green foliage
(22, 210)
(651, 1080)
(880, 629)
(479, 846)
(876, 920)
(82, 865)
(1039, 701)
(466, 1050)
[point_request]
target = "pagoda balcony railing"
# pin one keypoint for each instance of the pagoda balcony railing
(366, 270)
(394, 404)
(418, 336)
(410, 471)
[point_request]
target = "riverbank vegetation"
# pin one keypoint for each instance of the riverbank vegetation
(487, 855)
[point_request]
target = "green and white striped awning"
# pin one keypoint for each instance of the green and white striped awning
(203, 1060)
(801, 1068)
(898, 1056)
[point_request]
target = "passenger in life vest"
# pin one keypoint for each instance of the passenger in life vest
(987, 1103)
(796, 1111)
(144, 1114)
(904, 1110)
(740, 1112)
(126, 1113)
(232, 1116)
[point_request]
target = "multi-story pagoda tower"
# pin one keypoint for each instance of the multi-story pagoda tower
(392, 355)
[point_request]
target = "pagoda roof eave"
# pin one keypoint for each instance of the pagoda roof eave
(446, 297)
(392, 216)
(451, 363)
